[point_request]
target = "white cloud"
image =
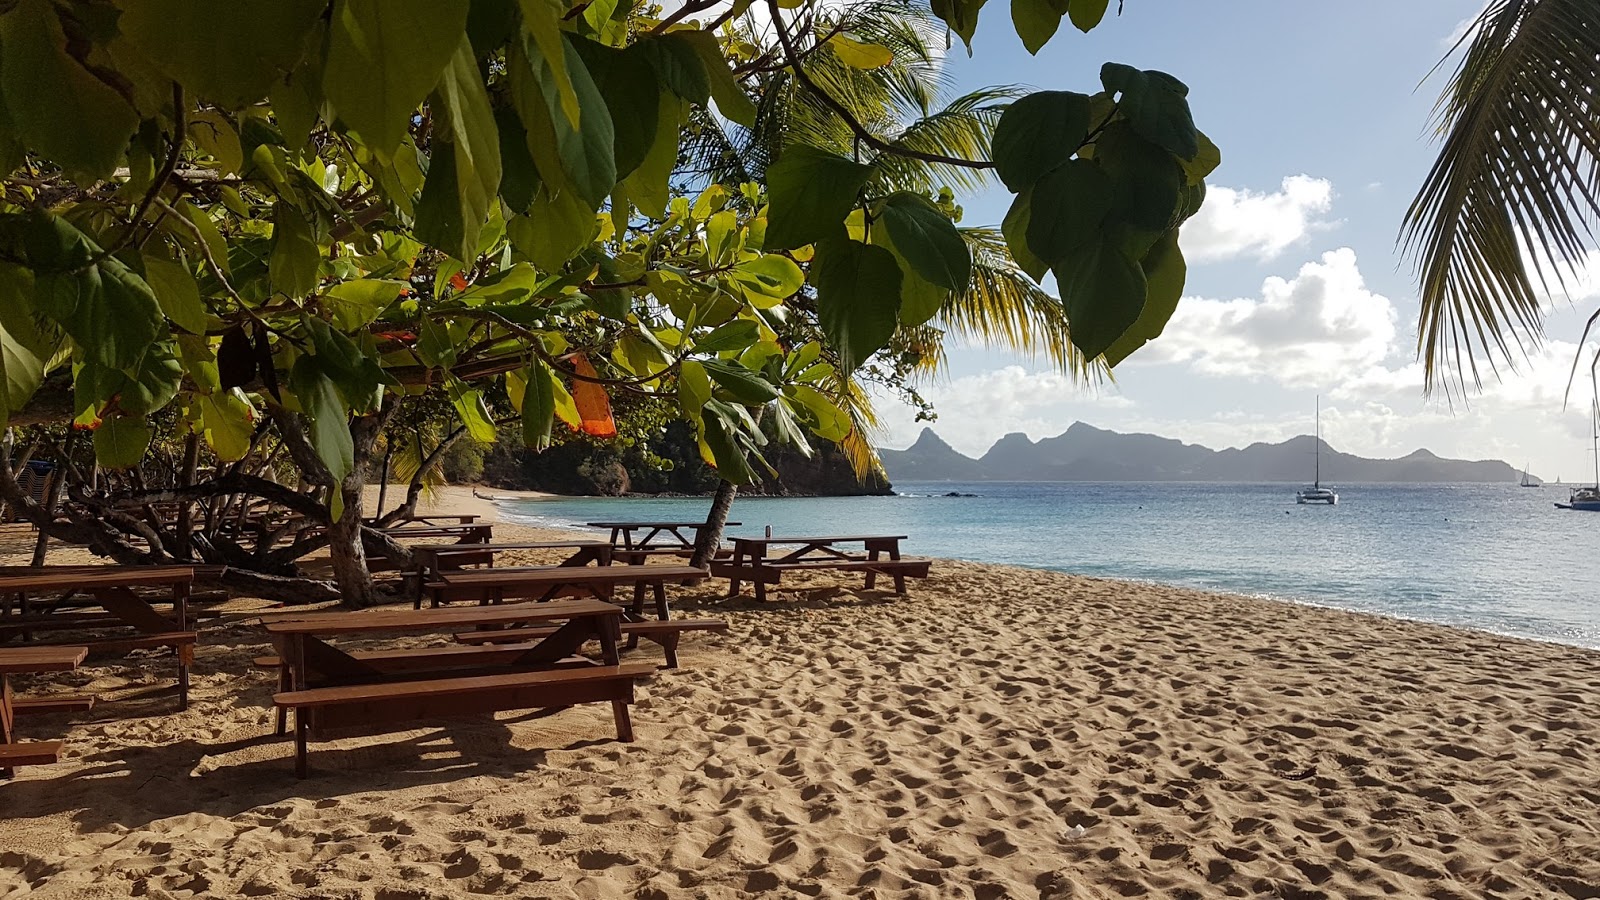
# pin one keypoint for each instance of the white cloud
(1464, 27)
(1235, 223)
(1311, 331)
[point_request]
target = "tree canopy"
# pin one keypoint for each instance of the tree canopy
(276, 223)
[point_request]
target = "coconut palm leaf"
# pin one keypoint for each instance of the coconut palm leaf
(1512, 201)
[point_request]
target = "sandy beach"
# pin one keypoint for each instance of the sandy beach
(1000, 733)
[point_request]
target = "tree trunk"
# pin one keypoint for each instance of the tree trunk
(710, 537)
(52, 499)
(191, 461)
(344, 547)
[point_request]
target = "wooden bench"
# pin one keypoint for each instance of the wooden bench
(665, 633)
(30, 753)
(543, 582)
(348, 706)
(30, 660)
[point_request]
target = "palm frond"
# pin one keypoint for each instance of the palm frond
(1517, 181)
(961, 129)
(1004, 308)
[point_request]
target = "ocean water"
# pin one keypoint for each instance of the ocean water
(1497, 558)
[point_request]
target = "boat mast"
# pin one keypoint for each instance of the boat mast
(1317, 481)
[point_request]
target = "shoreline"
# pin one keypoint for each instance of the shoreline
(1003, 730)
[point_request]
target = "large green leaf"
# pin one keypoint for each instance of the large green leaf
(384, 58)
(770, 275)
(1036, 21)
(229, 53)
(580, 158)
(810, 192)
(1086, 14)
(554, 230)
(1164, 272)
(694, 388)
(858, 297)
(920, 300)
(25, 348)
(542, 20)
(735, 335)
(1015, 230)
(120, 442)
(177, 292)
(827, 420)
(1146, 179)
(295, 255)
(355, 304)
(678, 65)
(330, 421)
(1104, 292)
(228, 422)
(726, 453)
(627, 81)
(927, 239)
(1038, 133)
(746, 386)
(961, 16)
(734, 104)
(465, 173)
(58, 107)
(1067, 209)
(648, 186)
(474, 414)
(109, 312)
(538, 405)
(1156, 105)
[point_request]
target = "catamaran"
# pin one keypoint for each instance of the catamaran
(1587, 499)
(1317, 493)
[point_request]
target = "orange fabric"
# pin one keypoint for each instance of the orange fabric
(594, 406)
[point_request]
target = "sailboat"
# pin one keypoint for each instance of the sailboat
(1317, 493)
(1587, 499)
(1527, 480)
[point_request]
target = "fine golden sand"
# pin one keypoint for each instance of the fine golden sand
(1000, 733)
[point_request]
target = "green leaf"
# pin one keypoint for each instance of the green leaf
(465, 173)
(177, 292)
(330, 422)
(770, 275)
(858, 297)
(1156, 105)
(295, 257)
(109, 312)
(1015, 230)
(1104, 292)
(648, 186)
(1036, 22)
(542, 19)
(961, 16)
(628, 83)
(355, 304)
(694, 388)
(920, 300)
(554, 230)
(735, 335)
(746, 386)
(229, 53)
(1037, 133)
(726, 454)
(58, 107)
(519, 178)
(1068, 208)
(474, 414)
(859, 55)
(228, 422)
(1204, 163)
(215, 135)
(355, 372)
(734, 104)
(678, 65)
(810, 192)
(1086, 14)
(927, 239)
(1165, 273)
(435, 345)
(25, 349)
(120, 442)
(538, 406)
(384, 58)
(1145, 178)
(582, 157)
(827, 420)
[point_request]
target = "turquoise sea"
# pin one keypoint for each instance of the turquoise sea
(1495, 557)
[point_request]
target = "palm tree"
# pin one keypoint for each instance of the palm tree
(1508, 212)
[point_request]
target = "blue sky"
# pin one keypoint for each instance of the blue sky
(1296, 287)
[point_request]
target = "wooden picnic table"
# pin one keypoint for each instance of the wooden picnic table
(331, 688)
(751, 560)
(674, 530)
(432, 559)
(22, 616)
(493, 586)
(32, 660)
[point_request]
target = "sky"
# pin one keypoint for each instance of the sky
(1296, 286)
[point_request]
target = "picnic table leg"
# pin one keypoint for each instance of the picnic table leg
(733, 580)
(185, 660)
(661, 601)
(301, 767)
(283, 687)
(7, 717)
(899, 576)
(872, 577)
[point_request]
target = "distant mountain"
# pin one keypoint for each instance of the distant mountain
(1086, 453)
